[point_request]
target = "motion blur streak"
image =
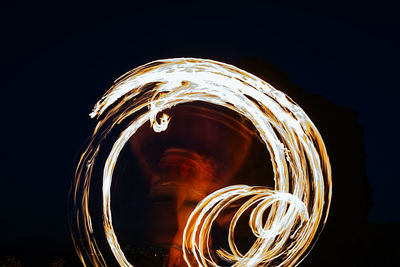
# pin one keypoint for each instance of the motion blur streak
(296, 208)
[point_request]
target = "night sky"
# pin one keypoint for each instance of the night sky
(59, 59)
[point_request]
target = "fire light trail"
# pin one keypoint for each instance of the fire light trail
(296, 208)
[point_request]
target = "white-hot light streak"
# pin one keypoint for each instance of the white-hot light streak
(297, 207)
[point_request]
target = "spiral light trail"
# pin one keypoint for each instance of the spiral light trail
(285, 220)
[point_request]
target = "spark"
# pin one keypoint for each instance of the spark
(298, 205)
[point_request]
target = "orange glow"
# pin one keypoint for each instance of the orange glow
(285, 220)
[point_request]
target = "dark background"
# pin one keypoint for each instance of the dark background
(337, 60)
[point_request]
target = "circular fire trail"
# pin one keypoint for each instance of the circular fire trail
(285, 220)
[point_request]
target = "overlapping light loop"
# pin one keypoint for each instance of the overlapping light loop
(296, 208)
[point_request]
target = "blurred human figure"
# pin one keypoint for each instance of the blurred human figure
(194, 178)
(200, 152)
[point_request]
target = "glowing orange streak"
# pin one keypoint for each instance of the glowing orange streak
(206, 212)
(177, 81)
